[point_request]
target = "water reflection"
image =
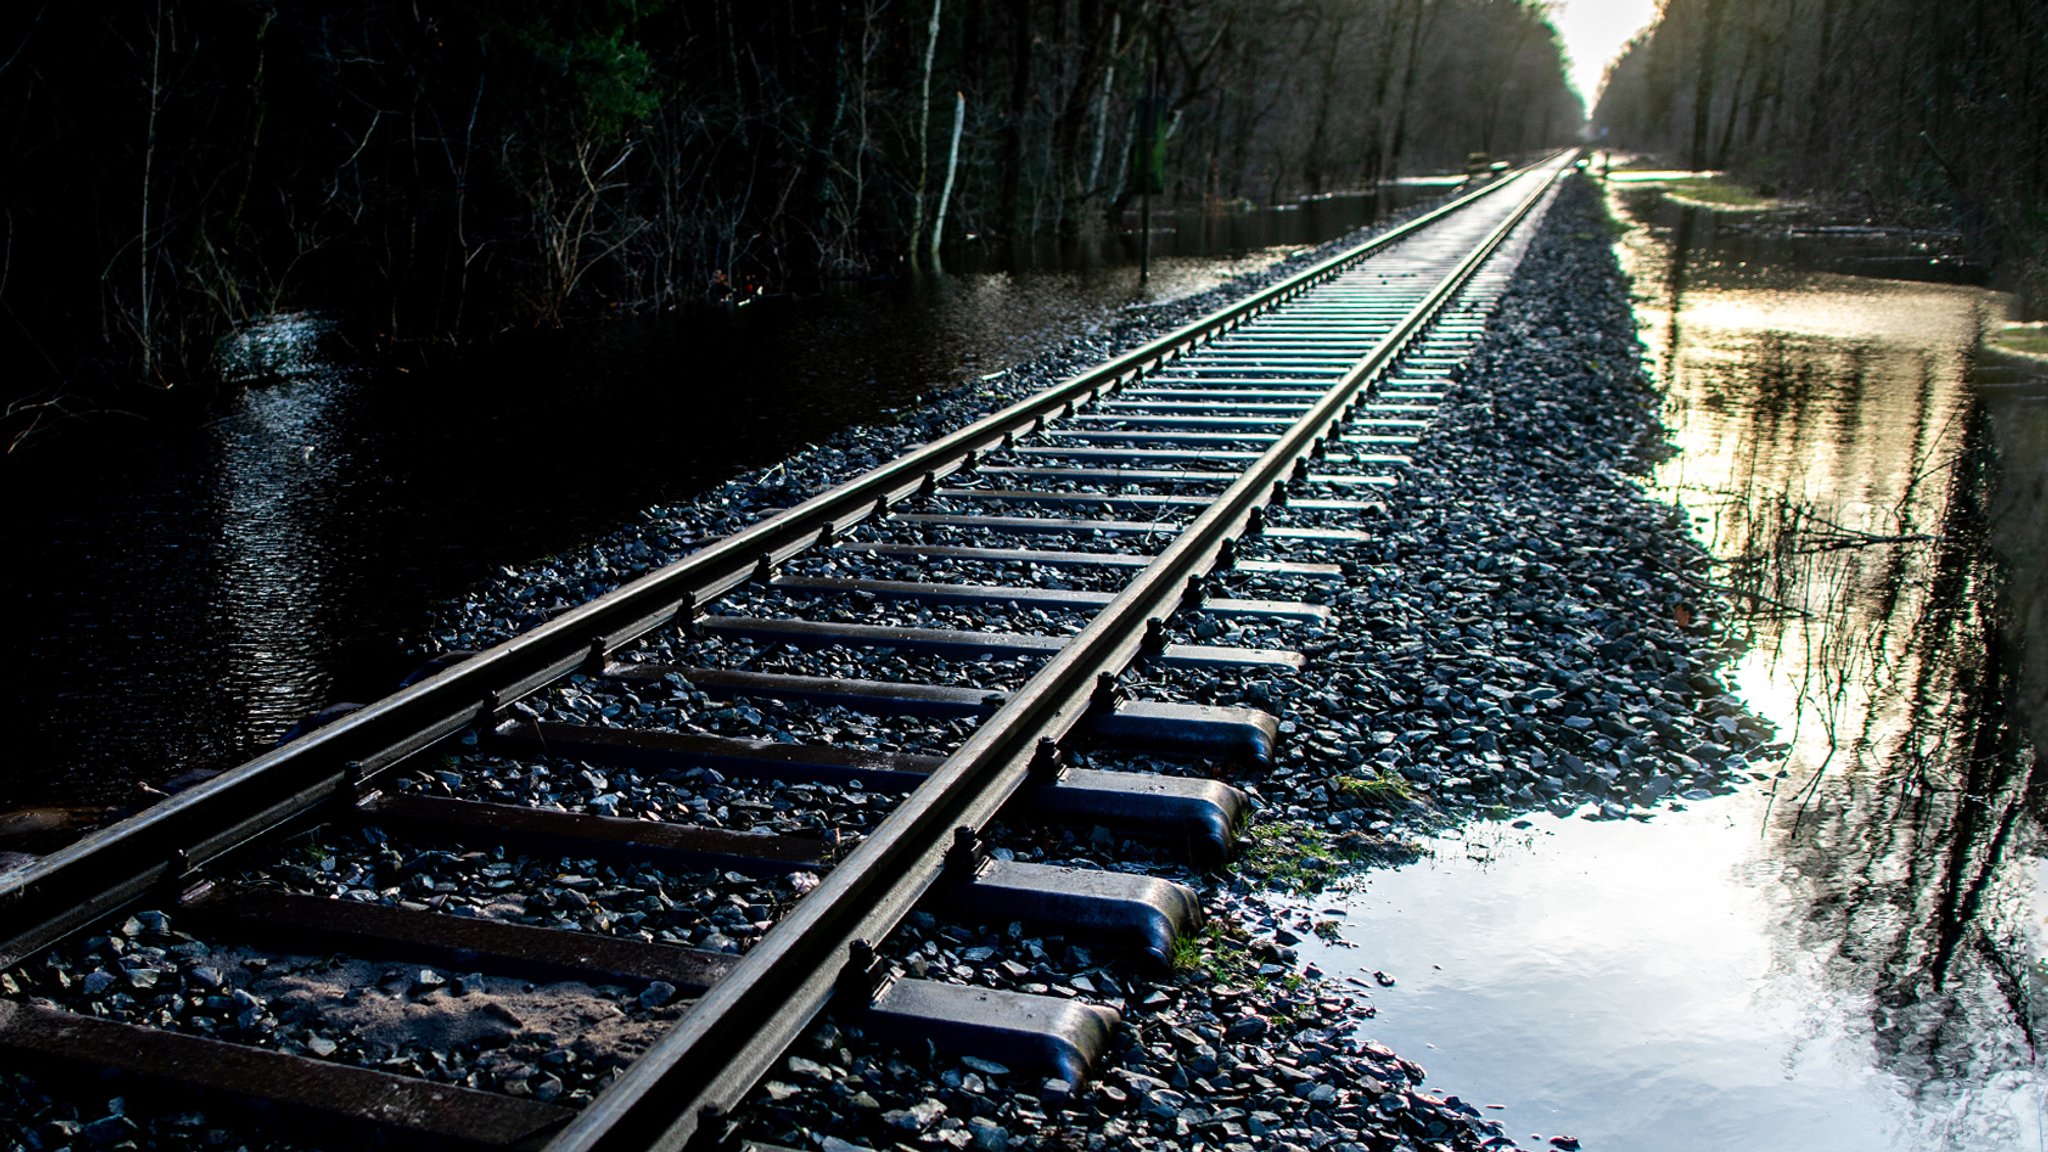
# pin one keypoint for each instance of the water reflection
(280, 347)
(1200, 232)
(1845, 470)
(279, 458)
(1849, 958)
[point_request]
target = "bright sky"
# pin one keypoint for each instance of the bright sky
(1594, 31)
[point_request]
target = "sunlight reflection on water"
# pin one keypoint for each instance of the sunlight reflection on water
(1843, 958)
(280, 457)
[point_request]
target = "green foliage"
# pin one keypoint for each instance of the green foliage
(2029, 339)
(1718, 192)
(1289, 855)
(1385, 792)
(612, 76)
(1219, 953)
(585, 55)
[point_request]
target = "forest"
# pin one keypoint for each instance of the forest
(442, 170)
(1907, 111)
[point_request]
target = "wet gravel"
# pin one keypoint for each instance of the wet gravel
(708, 909)
(609, 704)
(697, 797)
(519, 598)
(550, 1040)
(60, 1113)
(1522, 630)
(993, 673)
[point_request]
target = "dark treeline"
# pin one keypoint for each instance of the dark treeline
(442, 169)
(1905, 105)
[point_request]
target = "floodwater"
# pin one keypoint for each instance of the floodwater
(1849, 956)
(183, 591)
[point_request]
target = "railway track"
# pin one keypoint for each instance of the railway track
(985, 604)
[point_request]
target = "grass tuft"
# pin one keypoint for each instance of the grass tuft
(1387, 792)
(1300, 858)
(1219, 953)
(2028, 339)
(1291, 856)
(1718, 193)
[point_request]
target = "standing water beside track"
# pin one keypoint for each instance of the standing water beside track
(1518, 552)
(1330, 1109)
(1846, 954)
(186, 590)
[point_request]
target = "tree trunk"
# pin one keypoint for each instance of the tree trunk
(1735, 101)
(1116, 24)
(1383, 78)
(1817, 109)
(952, 167)
(1011, 204)
(1315, 164)
(1770, 79)
(1502, 76)
(1073, 115)
(924, 123)
(1703, 83)
(732, 61)
(1415, 30)
(145, 241)
(824, 136)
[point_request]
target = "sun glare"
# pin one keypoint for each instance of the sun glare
(1594, 31)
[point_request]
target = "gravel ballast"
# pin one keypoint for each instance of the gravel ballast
(1523, 630)
(1526, 630)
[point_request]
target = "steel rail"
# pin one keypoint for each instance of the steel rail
(78, 884)
(702, 1067)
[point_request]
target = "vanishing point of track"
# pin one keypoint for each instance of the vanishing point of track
(1251, 431)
